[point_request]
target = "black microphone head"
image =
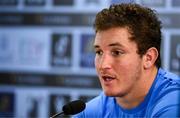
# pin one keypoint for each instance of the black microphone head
(74, 107)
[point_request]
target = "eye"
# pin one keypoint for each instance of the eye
(117, 53)
(99, 52)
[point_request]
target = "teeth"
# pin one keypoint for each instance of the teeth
(108, 78)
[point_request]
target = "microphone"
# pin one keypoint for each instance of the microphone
(71, 108)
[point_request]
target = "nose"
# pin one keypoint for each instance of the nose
(105, 62)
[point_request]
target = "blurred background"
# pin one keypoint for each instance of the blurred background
(46, 54)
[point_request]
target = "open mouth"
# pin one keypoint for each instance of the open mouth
(107, 78)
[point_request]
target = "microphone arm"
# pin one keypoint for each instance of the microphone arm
(55, 115)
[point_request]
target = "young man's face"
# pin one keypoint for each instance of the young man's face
(118, 65)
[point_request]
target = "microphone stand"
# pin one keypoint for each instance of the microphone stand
(55, 115)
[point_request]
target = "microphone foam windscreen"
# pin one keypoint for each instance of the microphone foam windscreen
(74, 107)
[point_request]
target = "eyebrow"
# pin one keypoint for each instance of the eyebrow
(111, 45)
(115, 44)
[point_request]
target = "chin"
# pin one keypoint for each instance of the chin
(109, 94)
(115, 94)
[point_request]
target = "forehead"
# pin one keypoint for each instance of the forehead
(120, 36)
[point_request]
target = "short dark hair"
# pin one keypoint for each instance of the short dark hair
(141, 22)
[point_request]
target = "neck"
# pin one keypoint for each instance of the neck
(139, 91)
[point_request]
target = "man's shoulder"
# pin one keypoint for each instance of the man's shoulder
(166, 77)
(166, 102)
(168, 74)
(166, 84)
(166, 94)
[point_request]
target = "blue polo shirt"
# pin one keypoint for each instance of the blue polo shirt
(162, 100)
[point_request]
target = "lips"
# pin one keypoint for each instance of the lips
(108, 78)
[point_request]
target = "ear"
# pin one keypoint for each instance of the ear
(150, 57)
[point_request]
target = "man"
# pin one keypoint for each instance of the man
(127, 46)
